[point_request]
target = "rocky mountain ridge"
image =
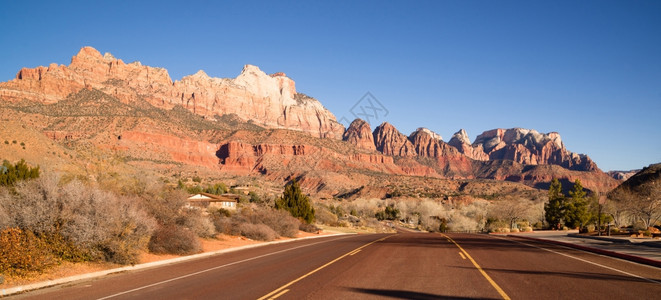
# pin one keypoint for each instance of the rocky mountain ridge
(267, 100)
(524, 146)
(139, 113)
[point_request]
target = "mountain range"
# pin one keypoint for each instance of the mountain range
(99, 110)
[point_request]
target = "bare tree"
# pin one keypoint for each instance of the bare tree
(641, 204)
(511, 210)
(648, 208)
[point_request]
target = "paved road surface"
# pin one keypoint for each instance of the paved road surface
(395, 266)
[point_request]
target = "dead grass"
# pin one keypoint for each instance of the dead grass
(67, 269)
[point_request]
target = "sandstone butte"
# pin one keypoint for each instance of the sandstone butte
(272, 101)
(268, 100)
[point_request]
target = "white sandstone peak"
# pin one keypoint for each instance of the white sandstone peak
(434, 135)
(461, 136)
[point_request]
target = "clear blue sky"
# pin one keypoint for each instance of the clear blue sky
(590, 70)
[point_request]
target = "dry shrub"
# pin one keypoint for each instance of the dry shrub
(325, 216)
(279, 220)
(308, 227)
(222, 222)
(167, 207)
(164, 204)
(79, 222)
(21, 252)
(257, 232)
(200, 224)
(172, 239)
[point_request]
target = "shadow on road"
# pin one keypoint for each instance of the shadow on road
(577, 275)
(401, 294)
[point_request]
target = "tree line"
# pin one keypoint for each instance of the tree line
(576, 210)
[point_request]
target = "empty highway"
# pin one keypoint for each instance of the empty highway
(378, 266)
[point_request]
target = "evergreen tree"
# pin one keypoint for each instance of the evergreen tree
(296, 203)
(577, 213)
(12, 173)
(554, 210)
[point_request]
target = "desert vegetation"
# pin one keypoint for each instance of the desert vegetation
(46, 220)
(68, 222)
(434, 215)
(636, 205)
(630, 209)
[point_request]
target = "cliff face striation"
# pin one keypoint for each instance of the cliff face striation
(530, 147)
(267, 100)
(258, 125)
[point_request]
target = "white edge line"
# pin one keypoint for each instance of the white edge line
(210, 269)
(49, 283)
(583, 260)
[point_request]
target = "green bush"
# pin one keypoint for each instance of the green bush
(216, 189)
(296, 203)
(389, 213)
(12, 173)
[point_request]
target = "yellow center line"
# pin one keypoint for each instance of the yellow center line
(278, 290)
(493, 283)
(462, 255)
(279, 294)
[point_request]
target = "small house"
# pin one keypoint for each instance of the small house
(206, 200)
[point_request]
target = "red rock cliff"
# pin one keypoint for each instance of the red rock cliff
(271, 101)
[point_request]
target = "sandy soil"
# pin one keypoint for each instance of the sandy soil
(70, 269)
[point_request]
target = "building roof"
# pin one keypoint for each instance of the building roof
(214, 198)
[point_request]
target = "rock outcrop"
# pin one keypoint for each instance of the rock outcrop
(360, 135)
(622, 175)
(428, 144)
(527, 147)
(461, 141)
(243, 158)
(390, 141)
(267, 100)
(540, 176)
(447, 160)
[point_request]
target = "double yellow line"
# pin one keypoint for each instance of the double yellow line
(493, 283)
(283, 289)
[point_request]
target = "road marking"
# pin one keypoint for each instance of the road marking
(317, 269)
(583, 260)
(354, 252)
(215, 268)
(493, 283)
(462, 255)
(279, 294)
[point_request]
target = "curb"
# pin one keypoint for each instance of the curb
(602, 238)
(653, 243)
(49, 283)
(638, 259)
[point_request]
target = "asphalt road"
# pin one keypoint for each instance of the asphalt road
(395, 266)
